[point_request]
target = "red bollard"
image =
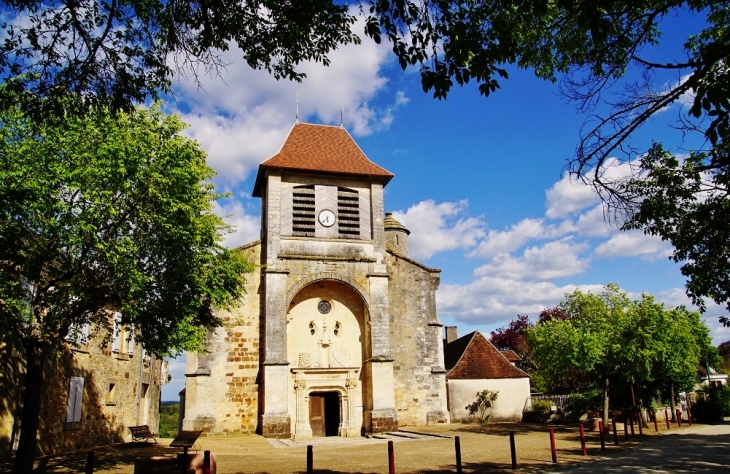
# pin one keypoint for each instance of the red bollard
(689, 416)
(615, 433)
(666, 417)
(583, 441)
(457, 447)
(206, 462)
(90, 463)
(553, 451)
(656, 423)
(600, 431)
(391, 458)
(679, 417)
(512, 449)
(310, 459)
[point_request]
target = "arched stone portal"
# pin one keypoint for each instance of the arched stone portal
(327, 341)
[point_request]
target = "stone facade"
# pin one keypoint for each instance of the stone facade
(110, 388)
(338, 332)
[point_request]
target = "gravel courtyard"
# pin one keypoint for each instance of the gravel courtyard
(484, 448)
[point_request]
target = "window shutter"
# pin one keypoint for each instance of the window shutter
(130, 343)
(75, 397)
(85, 334)
(116, 335)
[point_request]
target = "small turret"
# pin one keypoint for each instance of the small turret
(396, 234)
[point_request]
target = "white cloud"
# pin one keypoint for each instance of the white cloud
(634, 244)
(498, 242)
(438, 228)
(568, 196)
(490, 300)
(556, 259)
(242, 117)
(247, 226)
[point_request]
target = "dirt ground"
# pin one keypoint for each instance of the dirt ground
(484, 448)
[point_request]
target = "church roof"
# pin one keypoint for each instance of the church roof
(320, 148)
(474, 357)
(391, 223)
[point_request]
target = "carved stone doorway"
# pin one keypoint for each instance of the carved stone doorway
(324, 413)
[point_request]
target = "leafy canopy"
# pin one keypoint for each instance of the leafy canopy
(608, 339)
(120, 52)
(109, 212)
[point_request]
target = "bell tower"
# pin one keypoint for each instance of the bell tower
(325, 337)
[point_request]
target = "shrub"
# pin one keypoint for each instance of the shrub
(541, 406)
(169, 417)
(714, 406)
(484, 402)
(591, 400)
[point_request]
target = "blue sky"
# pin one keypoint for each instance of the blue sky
(478, 181)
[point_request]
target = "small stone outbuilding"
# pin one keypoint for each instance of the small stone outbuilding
(473, 364)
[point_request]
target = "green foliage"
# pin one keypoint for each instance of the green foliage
(713, 406)
(543, 407)
(607, 339)
(686, 202)
(106, 212)
(169, 420)
(110, 213)
(119, 53)
(483, 403)
(590, 400)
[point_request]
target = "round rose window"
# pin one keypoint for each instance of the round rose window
(324, 307)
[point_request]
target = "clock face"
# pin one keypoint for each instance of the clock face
(327, 218)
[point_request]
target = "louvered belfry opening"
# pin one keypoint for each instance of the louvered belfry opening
(348, 213)
(303, 211)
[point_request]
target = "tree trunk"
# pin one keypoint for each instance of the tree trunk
(25, 455)
(605, 404)
(671, 403)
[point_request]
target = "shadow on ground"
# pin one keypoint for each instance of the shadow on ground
(120, 456)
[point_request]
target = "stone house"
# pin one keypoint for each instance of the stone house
(91, 394)
(473, 364)
(338, 333)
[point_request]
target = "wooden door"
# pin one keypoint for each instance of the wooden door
(316, 414)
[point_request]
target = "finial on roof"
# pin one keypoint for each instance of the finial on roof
(341, 116)
(296, 120)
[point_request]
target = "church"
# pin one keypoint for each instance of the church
(337, 334)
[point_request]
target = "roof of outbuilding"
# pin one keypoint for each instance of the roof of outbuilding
(321, 148)
(511, 355)
(474, 357)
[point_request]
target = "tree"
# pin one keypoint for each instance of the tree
(101, 213)
(118, 53)
(686, 202)
(597, 49)
(513, 336)
(608, 339)
(549, 314)
(724, 353)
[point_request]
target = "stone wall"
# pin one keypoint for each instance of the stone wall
(417, 347)
(109, 404)
(221, 389)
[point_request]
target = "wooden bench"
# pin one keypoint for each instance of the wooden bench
(142, 433)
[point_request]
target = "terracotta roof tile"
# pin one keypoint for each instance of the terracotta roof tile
(511, 356)
(474, 357)
(321, 148)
